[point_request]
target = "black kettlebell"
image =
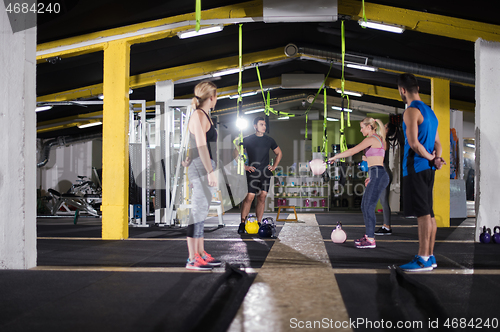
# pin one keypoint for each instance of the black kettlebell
(485, 236)
(496, 234)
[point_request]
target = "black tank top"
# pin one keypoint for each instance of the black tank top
(211, 136)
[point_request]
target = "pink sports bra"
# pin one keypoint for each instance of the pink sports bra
(375, 152)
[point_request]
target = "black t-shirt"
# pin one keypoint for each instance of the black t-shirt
(257, 148)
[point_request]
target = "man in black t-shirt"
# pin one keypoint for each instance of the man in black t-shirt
(258, 171)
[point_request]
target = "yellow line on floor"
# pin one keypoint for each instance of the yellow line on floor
(395, 226)
(236, 239)
(131, 269)
(438, 271)
(153, 239)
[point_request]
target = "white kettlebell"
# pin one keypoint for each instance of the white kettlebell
(338, 234)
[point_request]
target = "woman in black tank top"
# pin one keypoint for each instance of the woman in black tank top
(201, 174)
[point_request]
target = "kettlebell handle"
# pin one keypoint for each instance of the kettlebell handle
(488, 230)
(495, 230)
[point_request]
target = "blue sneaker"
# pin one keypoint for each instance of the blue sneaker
(433, 261)
(417, 264)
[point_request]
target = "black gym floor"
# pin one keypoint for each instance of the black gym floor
(83, 283)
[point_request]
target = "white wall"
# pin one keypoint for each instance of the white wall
(18, 148)
(487, 56)
(66, 163)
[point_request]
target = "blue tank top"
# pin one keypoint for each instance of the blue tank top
(412, 162)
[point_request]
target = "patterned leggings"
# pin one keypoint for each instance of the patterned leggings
(201, 198)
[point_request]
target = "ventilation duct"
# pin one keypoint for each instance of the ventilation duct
(63, 141)
(391, 64)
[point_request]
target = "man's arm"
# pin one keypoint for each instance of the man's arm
(438, 150)
(279, 155)
(411, 118)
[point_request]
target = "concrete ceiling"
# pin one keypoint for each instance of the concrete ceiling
(438, 42)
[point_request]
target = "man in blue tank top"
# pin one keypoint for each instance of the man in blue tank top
(422, 156)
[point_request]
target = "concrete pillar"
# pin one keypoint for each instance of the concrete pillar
(440, 104)
(18, 147)
(487, 56)
(115, 141)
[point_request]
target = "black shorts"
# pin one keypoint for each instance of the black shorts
(417, 193)
(259, 180)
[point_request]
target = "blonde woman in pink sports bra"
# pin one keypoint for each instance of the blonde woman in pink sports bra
(374, 150)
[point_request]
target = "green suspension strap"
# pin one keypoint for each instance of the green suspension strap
(317, 93)
(343, 142)
(324, 149)
(364, 15)
(267, 100)
(241, 159)
(198, 15)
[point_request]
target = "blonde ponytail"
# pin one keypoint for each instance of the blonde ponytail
(381, 129)
(203, 91)
(377, 125)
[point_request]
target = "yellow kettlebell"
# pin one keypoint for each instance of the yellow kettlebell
(252, 226)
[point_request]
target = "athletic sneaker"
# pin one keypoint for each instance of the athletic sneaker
(417, 264)
(198, 263)
(358, 241)
(365, 243)
(210, 260)
(383, 231)
(433, 261)
(241, 229)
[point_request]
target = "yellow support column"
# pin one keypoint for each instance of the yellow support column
(115, 158)
(440, 96)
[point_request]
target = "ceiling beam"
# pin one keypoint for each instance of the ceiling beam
(67, 122)
(149, 31)
(422, 22)
(175, 73)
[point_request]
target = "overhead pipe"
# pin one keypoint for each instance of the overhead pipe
(391, 64)
(62, 141)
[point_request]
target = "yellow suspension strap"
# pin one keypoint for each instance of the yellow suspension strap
(317, 93)
(241, 159)
(364, 15)
(267, 100)
(198, 15)
(324, 149)
(343, 142)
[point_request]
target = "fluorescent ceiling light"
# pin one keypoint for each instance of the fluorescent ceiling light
(227, 72)
(382, 26)
(241, 123)
(202, 31)
(246, 94)
(332, 119)
(101, 96)
(43, 108)
(340, 109)
(362, 67)
(255, 111)
(91, 124)
(470, 145)
(284, 118)
(350, 93)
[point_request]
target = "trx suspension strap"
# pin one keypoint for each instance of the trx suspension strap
(324, 149)
(343, 143)
(364, 15)
(267, 100)
(241, 158)
(198, 15)
(317, 93)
